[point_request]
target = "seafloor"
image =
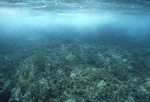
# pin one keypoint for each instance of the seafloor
(74, 69)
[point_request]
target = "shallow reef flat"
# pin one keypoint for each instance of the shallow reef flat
(74, 51)
(75, 71)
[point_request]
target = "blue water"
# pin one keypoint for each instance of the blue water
(29, 18)
(75, 50)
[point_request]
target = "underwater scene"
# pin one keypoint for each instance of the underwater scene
(74, 51)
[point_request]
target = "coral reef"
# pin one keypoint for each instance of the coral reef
(77, 72)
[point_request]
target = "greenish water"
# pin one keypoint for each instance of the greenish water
(67, 51)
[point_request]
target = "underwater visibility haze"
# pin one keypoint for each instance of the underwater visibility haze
(74, 51)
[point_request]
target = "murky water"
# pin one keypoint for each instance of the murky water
(74, 50)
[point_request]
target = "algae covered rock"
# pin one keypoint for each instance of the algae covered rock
(85, 73)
